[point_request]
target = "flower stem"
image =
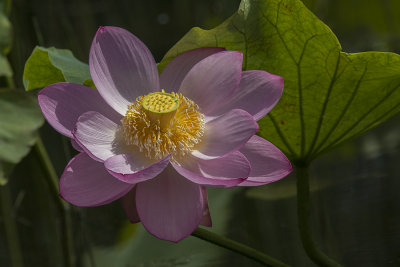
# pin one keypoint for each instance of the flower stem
(64, 208)
(10, 227)
(237, 247)
(303, 213)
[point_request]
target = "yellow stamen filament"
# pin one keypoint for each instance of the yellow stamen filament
(160, 124)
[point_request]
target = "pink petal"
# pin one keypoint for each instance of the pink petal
(170, 207)
(76, 146)
(226, 133)
(135, 167)
(122, 67)
(63, 103)
(176, 70)
(97, 136)
(206, 220)
(211, 81)
(258, 92)
(268, 163)
(86, 182)
(129, 205)
(227, 171)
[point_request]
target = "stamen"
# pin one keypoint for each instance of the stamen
(161, 124)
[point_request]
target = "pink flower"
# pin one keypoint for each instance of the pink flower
(158, 141)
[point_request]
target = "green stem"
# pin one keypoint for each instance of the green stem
(237, 247)
(10, 227)
(303, 213)
(64, 208)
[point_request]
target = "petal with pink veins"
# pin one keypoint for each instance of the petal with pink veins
(268, 163)
(213, 80)
(86, 182)
(258, 93)
(129, 206)
(134, 167)
(176, 70)
(226, 133)
(98, 136)
(170, 207)
(226, 171)
(122, 67)
(63, 103)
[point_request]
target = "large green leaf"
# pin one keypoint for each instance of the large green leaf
(20, 117)
(46, 66)
(329, 96)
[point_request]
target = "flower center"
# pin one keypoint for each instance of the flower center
(160, 107)
(160, 124)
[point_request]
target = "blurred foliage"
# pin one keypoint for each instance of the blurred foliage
(5, 44)
(20, 117)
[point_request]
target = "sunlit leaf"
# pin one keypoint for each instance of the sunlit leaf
(329, 96)
(355, 17)
(20, 117)
(50, 65)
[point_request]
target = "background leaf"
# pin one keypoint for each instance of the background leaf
(5, 45)
(5, 68)
(20, 117)
(5, 34)
(329, 96)
(50, 65)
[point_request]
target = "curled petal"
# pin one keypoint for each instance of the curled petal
(170, 207)
(122, 67)
(86, 182)
(176, 70)
(258, 93)
(63, 103)
(135, 167)
(97, 135)
(227, 171)
(268, 163)
(226, 133)
(211, 81)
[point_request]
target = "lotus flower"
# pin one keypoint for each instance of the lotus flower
(157, 141)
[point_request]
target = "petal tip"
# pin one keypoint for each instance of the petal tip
(101, 28)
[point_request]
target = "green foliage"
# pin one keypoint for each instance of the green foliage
(20, 117)
(46, 66)
(329, 96)
(5, 45)
(89, 83)
(356, 15)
